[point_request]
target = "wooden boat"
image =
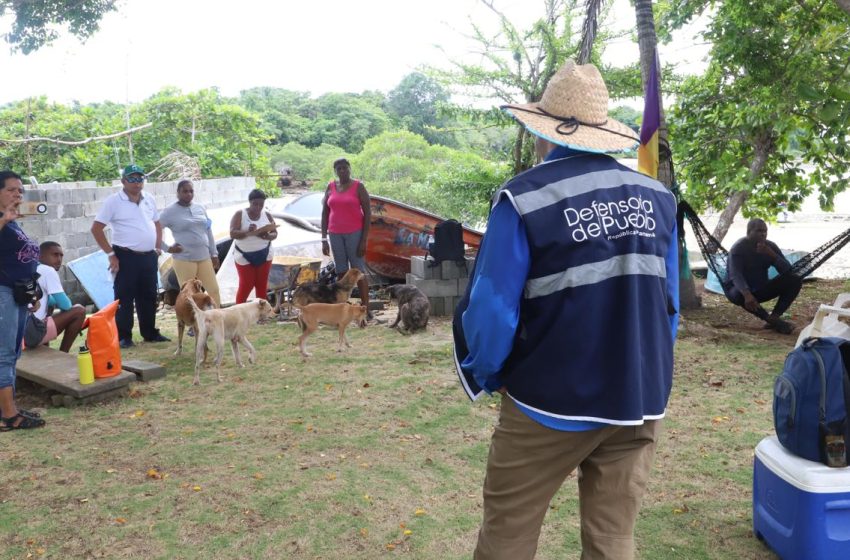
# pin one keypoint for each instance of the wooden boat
(398, 232)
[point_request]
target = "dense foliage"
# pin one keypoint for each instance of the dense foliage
(35, 21)
(775, 98)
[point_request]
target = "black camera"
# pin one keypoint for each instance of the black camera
(27, 292)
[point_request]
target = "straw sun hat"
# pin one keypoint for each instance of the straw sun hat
(573, 112)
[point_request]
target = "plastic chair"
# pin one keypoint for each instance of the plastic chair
(826, 321)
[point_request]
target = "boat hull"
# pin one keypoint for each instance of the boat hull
(399, 232)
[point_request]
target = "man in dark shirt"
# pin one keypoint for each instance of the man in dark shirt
(749, 260)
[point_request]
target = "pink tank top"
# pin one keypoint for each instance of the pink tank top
(346, 215)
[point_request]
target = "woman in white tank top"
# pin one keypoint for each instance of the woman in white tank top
(253, 230)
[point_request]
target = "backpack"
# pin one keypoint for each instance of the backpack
(448, 242)
(102, 340)
(811, 401)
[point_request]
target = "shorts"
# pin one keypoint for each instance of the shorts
(51, 333)
(344, 251)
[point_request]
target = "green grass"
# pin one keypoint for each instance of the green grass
(340, 455)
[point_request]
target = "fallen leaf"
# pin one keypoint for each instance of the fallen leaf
(259, 476)
(331, 476)
(153, 473)
(364, 532)
(120, 520)
(196, 488)
(390, 546)
(366, 385)
(139, 413)
(83, 500)
(110, 471)
(419, 511)
(407, 532)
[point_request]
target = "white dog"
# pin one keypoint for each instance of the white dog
(231, 323)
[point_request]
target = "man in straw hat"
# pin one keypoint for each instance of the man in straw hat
(571, 316)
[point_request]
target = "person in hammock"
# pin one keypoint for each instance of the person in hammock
(749, 261)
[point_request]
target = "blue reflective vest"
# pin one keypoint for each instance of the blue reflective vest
(594, 340)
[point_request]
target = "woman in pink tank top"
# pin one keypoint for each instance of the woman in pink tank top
(345, 225)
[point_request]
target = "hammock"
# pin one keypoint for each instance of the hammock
(717, 257)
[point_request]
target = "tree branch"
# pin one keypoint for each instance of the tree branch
(77, 142)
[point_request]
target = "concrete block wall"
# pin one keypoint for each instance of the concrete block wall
(71, 208)
(444, 284)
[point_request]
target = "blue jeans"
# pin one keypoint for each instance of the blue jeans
(13, 317)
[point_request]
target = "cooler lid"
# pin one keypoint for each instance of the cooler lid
(806, 475)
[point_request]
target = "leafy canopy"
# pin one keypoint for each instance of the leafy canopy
(36, 22)
(769, 117)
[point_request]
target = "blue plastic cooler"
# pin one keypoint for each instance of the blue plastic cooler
(801, 509)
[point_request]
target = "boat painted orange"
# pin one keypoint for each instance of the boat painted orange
(398, 232)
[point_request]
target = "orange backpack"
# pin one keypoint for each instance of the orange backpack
(102, 340)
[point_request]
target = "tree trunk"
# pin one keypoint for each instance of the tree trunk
(518, 145)
(736, 201)
(647, 42)
(764, 146)
(844, 5)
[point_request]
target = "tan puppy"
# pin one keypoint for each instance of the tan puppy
(338, 292)
(192, 288)
(339, 314)
(231, 323)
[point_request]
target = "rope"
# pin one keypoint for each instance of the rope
(717, 257)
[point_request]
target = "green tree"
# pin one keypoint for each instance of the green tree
(281, 112)
(346, 120)
(776, 81)
(35, 20)
(308, 164)
(415, 105)
(49, 161)
(518, 63)
(225, 138)
(445, 181)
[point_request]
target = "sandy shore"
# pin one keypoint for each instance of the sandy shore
(803, 231)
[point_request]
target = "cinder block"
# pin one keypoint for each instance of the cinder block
(145, 371)
(73, 210)
(438, 308)
(422, 268)
(436, 288)
(461, 286)
(454, 269)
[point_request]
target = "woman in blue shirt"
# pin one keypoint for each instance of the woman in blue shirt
(18, 262)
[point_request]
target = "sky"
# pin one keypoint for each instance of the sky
(302, 45)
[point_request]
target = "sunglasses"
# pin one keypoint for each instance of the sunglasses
(136, 179)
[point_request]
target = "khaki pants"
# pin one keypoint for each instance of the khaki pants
(527, 465)
(203, 271)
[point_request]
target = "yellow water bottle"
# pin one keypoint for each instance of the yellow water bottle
(84, 365)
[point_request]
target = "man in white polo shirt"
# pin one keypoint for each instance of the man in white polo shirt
(136, 240)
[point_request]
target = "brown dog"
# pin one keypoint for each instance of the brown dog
(413, 308)
(339, 314)
(338, 292)
(192, 288)
(231, 323)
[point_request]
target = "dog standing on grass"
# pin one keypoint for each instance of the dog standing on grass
(231, 323)
(339, 314)
(191, 289)
(338, 292)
